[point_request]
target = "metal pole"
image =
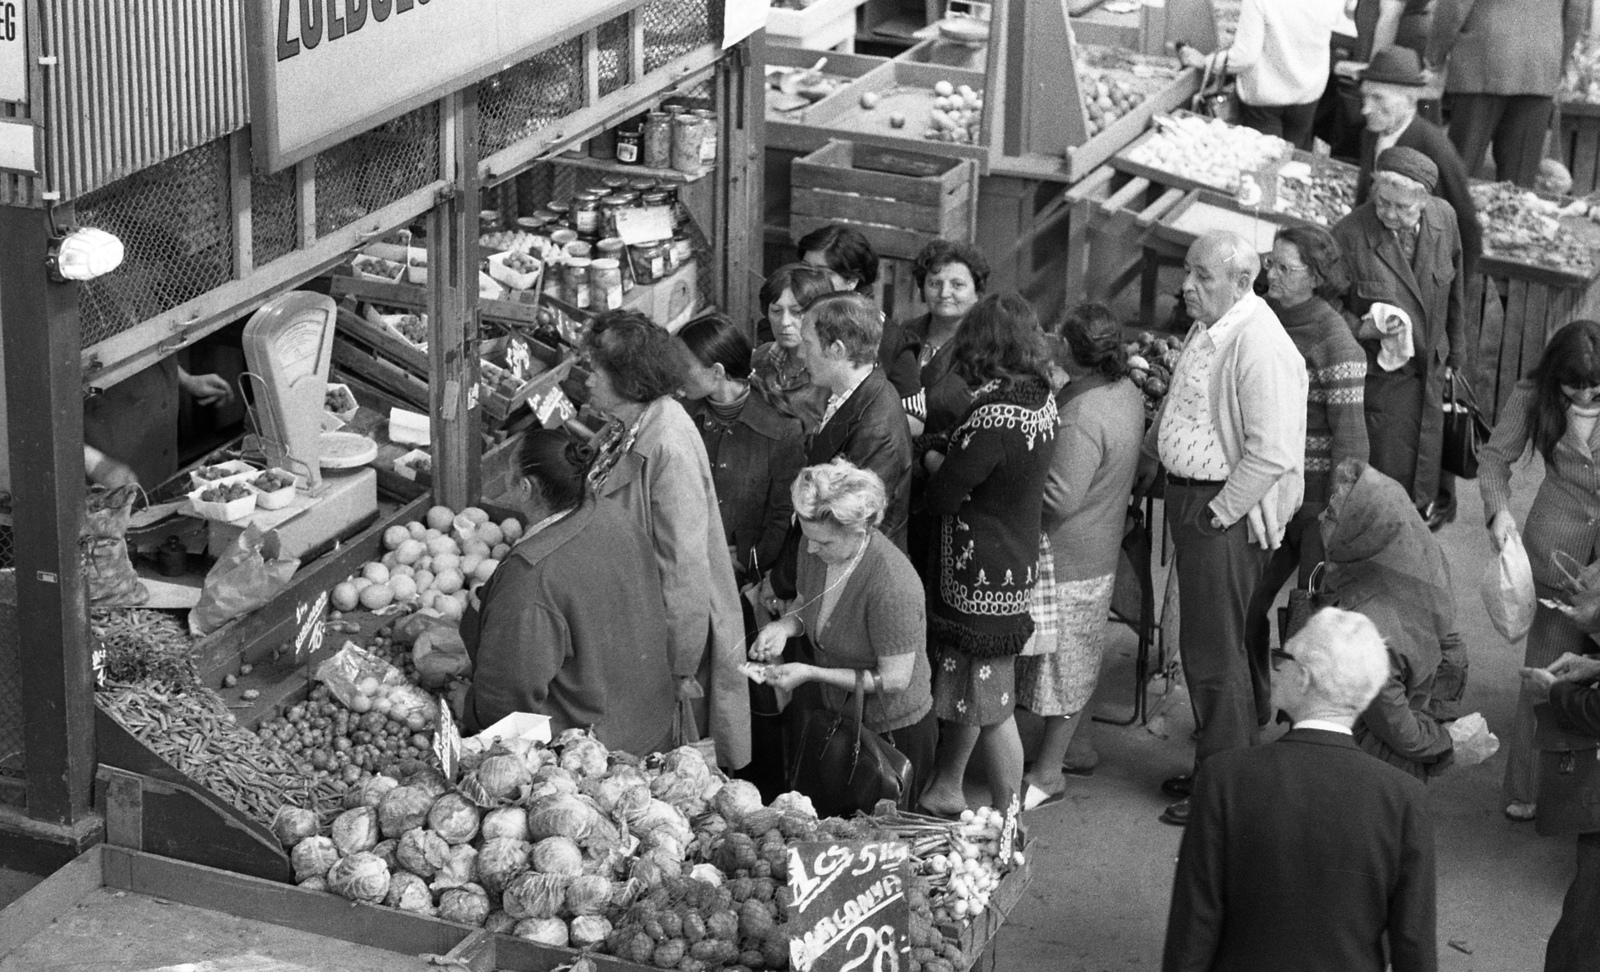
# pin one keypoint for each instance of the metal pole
(43, 386)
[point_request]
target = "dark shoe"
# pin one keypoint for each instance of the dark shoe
(1440, 512)
(1178, 786)
(1177, 814)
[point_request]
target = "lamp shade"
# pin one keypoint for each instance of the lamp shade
(87, 253)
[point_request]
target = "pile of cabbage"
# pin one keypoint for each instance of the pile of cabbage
(574, 846)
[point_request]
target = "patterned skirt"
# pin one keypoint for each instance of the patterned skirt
(1062, 683)
(973, 691)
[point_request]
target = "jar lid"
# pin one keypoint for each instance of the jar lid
(610, 244)
(531, 223)
(604, 263)
(580, 263)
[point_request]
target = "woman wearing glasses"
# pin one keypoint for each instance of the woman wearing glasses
(1552, 412)
(1305, 276)
(1383, 562)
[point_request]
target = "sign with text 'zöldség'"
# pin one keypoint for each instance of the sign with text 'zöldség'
(322, 71)
(849, 911)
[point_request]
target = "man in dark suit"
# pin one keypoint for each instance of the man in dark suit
(1308, 854)
(864, 421)
(1390, 87)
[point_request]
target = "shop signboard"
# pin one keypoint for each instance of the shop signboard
(322, 71)
(849, 906)
(13, 50)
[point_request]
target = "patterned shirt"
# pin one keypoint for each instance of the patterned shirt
(1188, 443)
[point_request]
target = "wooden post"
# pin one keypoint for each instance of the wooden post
(453, 310)
(40, 326)
(742, 110)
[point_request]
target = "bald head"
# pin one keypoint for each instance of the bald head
(1220, 268)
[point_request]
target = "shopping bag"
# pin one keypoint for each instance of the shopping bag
(1473, 741)
(1507, 590)
(108, 572)
(241, 580)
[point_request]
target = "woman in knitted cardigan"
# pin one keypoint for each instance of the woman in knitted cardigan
(987, 494)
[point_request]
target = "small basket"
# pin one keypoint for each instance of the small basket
(406, 465)
(347, 414)
(276, 499)
(515, 279)
(226, 512)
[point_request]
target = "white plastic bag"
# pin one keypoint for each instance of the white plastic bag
(1473, 741)
(1508, 593)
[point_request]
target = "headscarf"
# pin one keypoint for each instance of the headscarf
(1384, 562)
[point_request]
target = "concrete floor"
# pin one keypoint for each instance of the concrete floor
(1103, 862)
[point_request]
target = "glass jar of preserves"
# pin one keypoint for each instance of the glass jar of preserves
(628, 145)
(614, 182)
(608, 215)
(560, 214)
(586, 215)
(657, 149)
(605, 284)
(708, 145)
(575, 282)
(612, 248)
(688, 138)
(649, 262)
(641, 185)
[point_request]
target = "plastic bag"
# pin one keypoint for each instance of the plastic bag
(1473, 741)
(1507, 589)
(240, 581)
(1583, 591)
(107, 569)
(353, 672)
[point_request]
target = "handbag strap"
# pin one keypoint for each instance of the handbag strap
(1314, 582)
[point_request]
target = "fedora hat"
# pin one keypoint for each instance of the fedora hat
(1395, 65)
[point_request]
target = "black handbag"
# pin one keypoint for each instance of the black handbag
(1465, 431)
(840, 764)
(1303, 603)
(1569, 778)
(1218, 96)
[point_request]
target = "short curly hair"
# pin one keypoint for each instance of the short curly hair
(642, 360)
(1321, 254)
(842, 492)
(940, 253)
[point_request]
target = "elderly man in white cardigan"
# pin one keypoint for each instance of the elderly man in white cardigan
(1231, 436)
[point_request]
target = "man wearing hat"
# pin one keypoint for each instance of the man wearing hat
(1404, 255)
(1390, 88)
(1505, 59)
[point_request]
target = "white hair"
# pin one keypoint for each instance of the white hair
(1344, 656)
(1235, 252)
(841, 491)
(1411, 187)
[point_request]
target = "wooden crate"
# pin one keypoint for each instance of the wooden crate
(1579, 147)
(898, 199)
(903, 87)
(1509, 319)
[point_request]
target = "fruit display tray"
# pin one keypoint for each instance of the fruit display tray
(903, 88)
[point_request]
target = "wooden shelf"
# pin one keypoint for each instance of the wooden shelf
(636, 171)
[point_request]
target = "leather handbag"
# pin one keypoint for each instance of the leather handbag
(1218, 97)
(1303, 603)
(840, 764)
(1465, 431)
(1569, 778)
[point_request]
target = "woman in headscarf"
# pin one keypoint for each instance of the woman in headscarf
(1384, 563)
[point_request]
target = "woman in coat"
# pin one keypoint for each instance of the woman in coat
(1384, 563)
(1552, 412)
(1404, 253)
(545, 636)
(987, 494)
(777, 373)
(1098, 435)
(755, 452)
(652, 465)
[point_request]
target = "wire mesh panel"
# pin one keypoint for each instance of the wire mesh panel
(376, 168)
(673, 28)
(272, 222)
(528, 96)
(614, 41)
(12, 724)
(175, 225)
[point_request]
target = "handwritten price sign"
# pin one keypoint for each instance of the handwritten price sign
(447, 741)
(850, 912)
(309, 618)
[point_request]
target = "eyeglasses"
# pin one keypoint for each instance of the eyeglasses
(1272, 265)
(1279, 656)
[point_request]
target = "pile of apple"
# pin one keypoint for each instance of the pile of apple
(431, 564)
(956, 116)
(1106, 98)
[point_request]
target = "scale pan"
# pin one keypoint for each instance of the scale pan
(345, 450)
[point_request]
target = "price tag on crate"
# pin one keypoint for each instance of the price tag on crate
(850, 909)
(310, 620)
(447, 741)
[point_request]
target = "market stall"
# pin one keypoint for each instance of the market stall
(985, 88)
(419, 378)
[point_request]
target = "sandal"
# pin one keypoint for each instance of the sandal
(1520, 811)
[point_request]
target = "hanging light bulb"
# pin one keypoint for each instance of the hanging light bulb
(84, 254)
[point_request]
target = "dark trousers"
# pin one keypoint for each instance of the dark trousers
(1301, 551)
(1515, 125)
(1292, 123)
(1217, 574)
(1394, 426)
(1575, 941)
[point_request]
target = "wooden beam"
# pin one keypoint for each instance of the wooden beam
(40, 326)
(453, 316)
